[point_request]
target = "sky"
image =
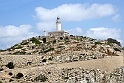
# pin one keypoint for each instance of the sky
(23, 19)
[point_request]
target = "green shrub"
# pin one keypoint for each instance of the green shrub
(10, 65)
(18, 47)
(19, 75)
(11, 80)
(1, 82)
(34, 40)
(44, 60)
(66, 77)
(109, 43)
(54, 41)
(51, 49)
(97, 43)
(61, 38)
(116, 49)
(44, 40)
(113, 41)
(24, 43)
(41, 78)
(10, 73)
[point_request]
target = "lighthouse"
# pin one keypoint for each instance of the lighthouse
(58, 32)
(58, 24)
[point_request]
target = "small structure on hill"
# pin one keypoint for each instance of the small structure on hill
(58, 32)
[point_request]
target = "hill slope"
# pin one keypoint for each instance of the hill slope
(72, 59)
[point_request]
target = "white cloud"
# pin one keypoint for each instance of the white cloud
(72, 12)
(75, 31)
(98, 33)
(45, 26)
(11, 34)
(104, 33)
(116, 18)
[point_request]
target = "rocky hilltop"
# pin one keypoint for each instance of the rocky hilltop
(70, 59)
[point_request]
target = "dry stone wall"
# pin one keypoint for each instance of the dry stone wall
(21, 61)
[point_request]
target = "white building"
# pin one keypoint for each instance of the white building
(58, 32)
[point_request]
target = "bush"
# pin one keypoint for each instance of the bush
(61, 38)
(18, 47)
(113, 41)
(34, 40)
(1, 69)
(51, 49)
(44, 60)
(19, 75)
(1, 82)
(44, 40)
(10, 65)
(10, 73)
(11, 80)
(41, 78)
(54, 41)
(97, 43)
(66, 77)
(116, 49)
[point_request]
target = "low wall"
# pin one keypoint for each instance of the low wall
(105, 64)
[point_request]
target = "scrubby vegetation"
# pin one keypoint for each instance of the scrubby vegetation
(10, 73)
(110, 40)
(44, 40)
(97, 43)
(41, 78)
(116, 49)
(34, 40)
(11, 80)
(44, 60)
(19, 75)
(51, 49)
(10, 65)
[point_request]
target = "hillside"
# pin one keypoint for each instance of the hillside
(56, 60)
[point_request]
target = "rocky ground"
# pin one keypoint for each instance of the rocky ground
(63, 60)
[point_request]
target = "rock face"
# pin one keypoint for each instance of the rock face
(63, 60)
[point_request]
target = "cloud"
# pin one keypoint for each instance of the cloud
(75, 31)
(11, 34)
(116, 18)
(104, 33)
(45, 26)
(98, 33)
(72, 12)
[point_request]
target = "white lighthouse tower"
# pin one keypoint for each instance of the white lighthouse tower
(58, 32)
(58, 24)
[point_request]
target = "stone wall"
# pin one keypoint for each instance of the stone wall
(107, 63)
(104, 64)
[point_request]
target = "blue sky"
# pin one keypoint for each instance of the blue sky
(22, 19)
